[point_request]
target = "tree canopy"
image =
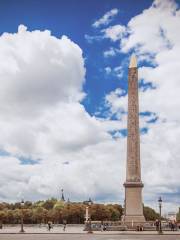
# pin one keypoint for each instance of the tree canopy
(57, 211)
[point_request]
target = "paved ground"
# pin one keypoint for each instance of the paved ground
(69, 229)
(77, 233)
(43, 229)
(84, 237)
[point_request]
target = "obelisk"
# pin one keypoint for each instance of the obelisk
(133, 185)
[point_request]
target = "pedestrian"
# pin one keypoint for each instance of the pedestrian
(141, 227)
(173, 225)
(102, 226)
(169, 224)
(64, 225)
(157, 224)
(49, 226)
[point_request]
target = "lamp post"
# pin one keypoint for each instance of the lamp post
(22, 217)
(68, 207)
(90, 226)
(160, 207)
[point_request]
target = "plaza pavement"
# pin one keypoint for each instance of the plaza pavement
(77, 233)
(72, 229)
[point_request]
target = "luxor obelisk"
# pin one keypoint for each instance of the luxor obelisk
(133, 185)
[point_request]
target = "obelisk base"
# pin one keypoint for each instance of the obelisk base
(134, 220)
(133, 204)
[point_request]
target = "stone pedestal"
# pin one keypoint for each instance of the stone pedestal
(133, 204)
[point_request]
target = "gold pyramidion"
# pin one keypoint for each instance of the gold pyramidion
(133, 62)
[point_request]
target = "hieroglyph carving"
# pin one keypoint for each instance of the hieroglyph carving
(133, 146)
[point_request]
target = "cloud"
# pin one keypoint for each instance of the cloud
(116, 72)
(153, 31)
(111, 52)
(44, 125)
(115, 32)
(117, 102)
(106, 18)
(108, 70)
(153, 36)
(91, 39)
(29, 87)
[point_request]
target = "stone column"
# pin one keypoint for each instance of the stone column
(87, 214)
(133, 185)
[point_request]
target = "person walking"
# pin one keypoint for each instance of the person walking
(64, 225)
(49, 226)
(102, 227)
(172, 225)
(157, 224)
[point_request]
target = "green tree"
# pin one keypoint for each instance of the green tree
(114, 213)
(28, 204)
(28, 215)
(10, 216)
(39, 215)
(100, 212)
(49, 204)
(3, 216)
(17, 215)
(150, 214)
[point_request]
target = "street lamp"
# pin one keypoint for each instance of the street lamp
(160, 207)
(22, 219)
(68, 207)
(90, 226)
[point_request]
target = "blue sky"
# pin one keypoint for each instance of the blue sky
(63, 98)
(74, 19)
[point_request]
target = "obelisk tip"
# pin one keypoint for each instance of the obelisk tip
(133, 62)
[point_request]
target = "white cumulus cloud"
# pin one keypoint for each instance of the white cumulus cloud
(48, 140)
